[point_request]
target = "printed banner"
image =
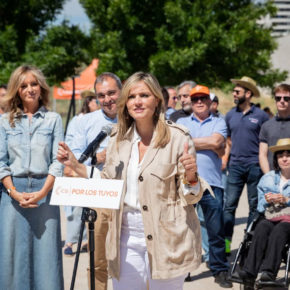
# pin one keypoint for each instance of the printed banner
(96, 193)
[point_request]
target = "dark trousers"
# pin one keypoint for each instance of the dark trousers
(240, 175)
(267, 246)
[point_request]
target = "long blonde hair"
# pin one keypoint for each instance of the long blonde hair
(12, 98)
(125, 121)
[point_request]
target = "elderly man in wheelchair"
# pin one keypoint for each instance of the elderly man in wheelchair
(272, 232)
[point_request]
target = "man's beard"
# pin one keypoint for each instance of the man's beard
(187, 108)
(240, 101)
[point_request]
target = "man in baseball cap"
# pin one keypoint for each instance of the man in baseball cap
(214, 105)
(209, 134)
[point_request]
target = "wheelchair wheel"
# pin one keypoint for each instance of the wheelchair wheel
(246, 287)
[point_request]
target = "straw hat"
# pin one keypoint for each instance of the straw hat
(281, 145)
(88, 93)
(247, 83)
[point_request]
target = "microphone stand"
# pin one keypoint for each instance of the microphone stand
(88, 215)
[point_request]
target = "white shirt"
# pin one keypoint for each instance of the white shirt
(132, 193)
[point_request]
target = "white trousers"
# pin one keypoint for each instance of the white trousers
(134, 269)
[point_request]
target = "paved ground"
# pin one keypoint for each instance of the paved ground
(201, 278)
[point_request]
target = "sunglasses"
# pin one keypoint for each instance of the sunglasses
(238, 91)
(285, 98)
(202, 98)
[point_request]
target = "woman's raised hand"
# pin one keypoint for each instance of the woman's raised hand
(65, 156)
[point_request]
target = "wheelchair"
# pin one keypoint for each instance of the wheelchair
(240, 258)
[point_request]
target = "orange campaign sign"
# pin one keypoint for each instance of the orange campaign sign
(84, 82)
(99, 193)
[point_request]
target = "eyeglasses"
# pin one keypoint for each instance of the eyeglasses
(202, 98)
(279, 98)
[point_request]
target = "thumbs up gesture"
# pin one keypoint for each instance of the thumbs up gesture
(189, 164)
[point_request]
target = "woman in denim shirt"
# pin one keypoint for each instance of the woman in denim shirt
(273, 232)
(30, 240)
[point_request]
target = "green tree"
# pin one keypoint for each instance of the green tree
(208, 41)
(27, 17)
(58, 52)
(27, 36)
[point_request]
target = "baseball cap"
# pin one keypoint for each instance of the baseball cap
(213, 97)
(199, 89)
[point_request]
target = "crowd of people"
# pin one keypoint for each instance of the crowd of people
(183, 170)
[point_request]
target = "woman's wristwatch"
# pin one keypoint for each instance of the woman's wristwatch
(192, 183)
(9, 190)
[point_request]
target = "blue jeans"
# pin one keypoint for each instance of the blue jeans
(212, 209)
(204, 235)
(240, 175)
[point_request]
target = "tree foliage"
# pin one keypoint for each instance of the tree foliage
(27, 36)
(27, 17)
(58, 52)
(209, 41)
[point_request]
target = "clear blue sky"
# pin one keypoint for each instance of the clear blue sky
(74, 12)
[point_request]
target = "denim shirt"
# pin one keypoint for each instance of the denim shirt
(30, 148)
(270, 182)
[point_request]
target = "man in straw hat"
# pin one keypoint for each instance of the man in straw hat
(244, 123)
(276, 128)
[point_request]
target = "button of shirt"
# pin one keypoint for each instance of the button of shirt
(141, 178)
(145, 207)
(149, 237)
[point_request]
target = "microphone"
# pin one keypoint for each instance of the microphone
(106, 130)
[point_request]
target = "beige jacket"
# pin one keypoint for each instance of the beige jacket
(171, 226)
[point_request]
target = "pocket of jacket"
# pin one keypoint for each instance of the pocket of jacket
(163, 180)
(164, 171)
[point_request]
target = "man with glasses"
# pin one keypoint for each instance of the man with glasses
(172, 101)
(107, 87)
(209, 134)
(244, 123)
(183, 91)
(276, 128)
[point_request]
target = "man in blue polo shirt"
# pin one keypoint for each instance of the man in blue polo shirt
(244, 123)
(209, 134)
